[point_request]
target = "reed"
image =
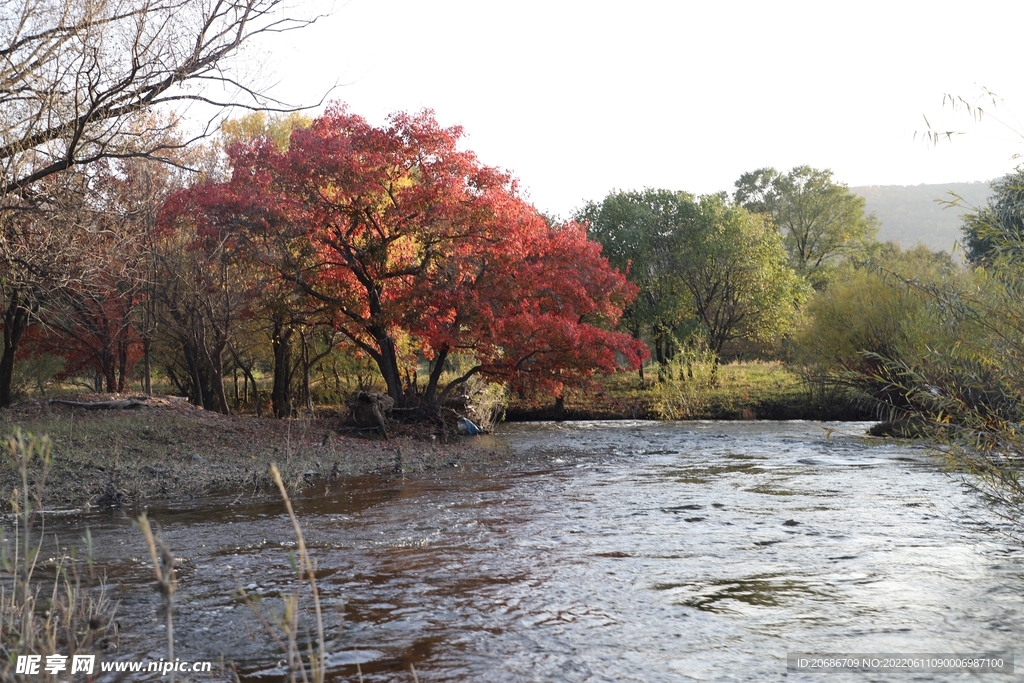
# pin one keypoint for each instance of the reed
(284, 627)
(47, 606)
(163, 567)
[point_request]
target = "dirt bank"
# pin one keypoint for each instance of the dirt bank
(169, 449)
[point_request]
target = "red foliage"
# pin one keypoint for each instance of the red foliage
(401, 234)
(97, 334)
(534, 304)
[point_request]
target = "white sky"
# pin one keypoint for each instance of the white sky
(579, 98)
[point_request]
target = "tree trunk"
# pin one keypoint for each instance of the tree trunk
(122, 362)
(435, 375)
(109, 371)
(387, 361)
(248, 378)
(307, 390)
(215, 363)
(147, 366)
(192, 362)
(559, 408)
(16, 321)
(281, 395)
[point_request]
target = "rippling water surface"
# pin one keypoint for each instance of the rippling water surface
(641, 552)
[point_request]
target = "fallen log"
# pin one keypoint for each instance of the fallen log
(120, 404)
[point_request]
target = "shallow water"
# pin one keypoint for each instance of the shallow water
(641, 552)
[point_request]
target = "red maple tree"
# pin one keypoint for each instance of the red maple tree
(399, 234)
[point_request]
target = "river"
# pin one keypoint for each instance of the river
(638, 551)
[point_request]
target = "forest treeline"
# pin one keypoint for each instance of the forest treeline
(789, 266)
(291, 253)
(307, 243)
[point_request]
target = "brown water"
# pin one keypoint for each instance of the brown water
(640, 552)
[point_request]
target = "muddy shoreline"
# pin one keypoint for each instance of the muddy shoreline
(127, 458)
(167, 449)
(535, 411)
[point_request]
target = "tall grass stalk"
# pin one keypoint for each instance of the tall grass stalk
(683, 386)
(163, 567)
(308, 571)
(288, 621)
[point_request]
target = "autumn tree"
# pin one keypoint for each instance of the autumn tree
(36, 262)
(821, 220)
(533, 304)
(285, 314)
(206, 287)
(386, 227)
(104, 315)
(207, 217)
(73, 77)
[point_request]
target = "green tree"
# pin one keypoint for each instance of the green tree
(637, 231)
(821, 220)
(703, 265)
(733, 267)
(997, 229)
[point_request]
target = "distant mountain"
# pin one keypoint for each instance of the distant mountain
(912, 214)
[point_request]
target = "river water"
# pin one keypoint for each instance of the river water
(638, 551)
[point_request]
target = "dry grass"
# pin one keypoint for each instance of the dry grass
(47, 605)
(741, 391)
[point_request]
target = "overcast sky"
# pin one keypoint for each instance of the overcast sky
(579, 98)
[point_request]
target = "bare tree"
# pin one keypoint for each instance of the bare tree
(36, 262)
(105, 313)
(73, 72)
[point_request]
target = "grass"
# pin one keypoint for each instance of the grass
(740, 391)
(47, 605)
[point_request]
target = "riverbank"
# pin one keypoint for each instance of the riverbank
(172, 450)
(742, 391)
(169, 449)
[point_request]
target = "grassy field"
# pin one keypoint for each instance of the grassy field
(736, 391)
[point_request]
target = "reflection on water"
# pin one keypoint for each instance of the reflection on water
(645, 552)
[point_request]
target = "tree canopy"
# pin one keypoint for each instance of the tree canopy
(700, 264)
(996, 230)
(638, 231)
(821, 220)
(735, 270)
(402, 237)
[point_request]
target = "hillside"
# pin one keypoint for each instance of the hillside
(913, 213)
